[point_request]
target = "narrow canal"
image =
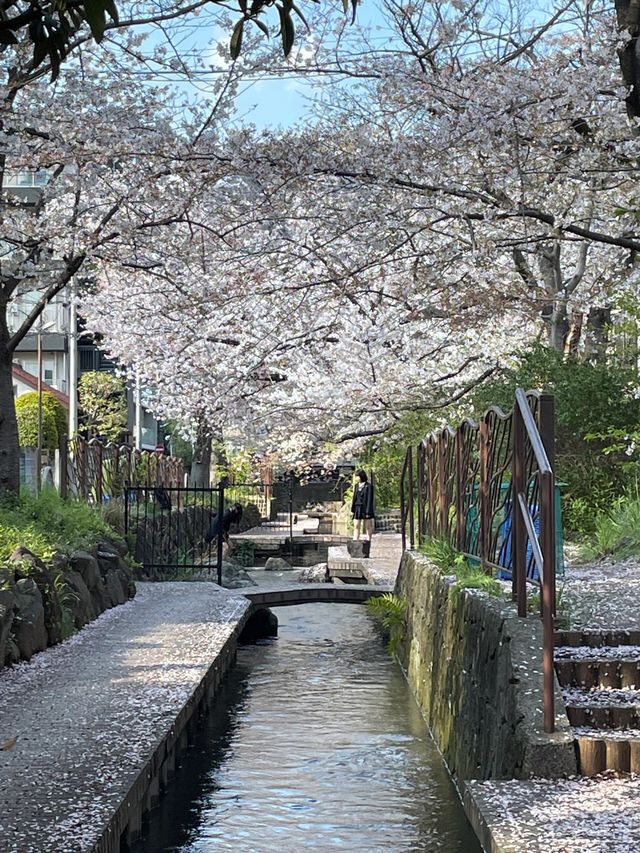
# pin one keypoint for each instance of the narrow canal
(316, 743)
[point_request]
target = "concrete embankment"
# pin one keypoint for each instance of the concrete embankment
(476, 671)
(91, 729)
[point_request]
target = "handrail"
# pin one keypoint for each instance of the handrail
(533, 433)
(533, 536)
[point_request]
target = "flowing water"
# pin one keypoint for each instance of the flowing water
(316, 743)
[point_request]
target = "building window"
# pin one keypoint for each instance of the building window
(48, 375)
(27, 178)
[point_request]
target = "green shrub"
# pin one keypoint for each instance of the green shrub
(452, 562)
(444, 555)
(103, 402)
(390, 611)
(46, 524)
(616, 531)
(54, 420)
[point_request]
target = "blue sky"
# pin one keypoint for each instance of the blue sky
(282, 102)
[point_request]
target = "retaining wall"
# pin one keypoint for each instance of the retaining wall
(475, 668)
(126, 823)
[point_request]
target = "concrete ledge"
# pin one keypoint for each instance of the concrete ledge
(476, 670)
(340, 560)
(556, 816)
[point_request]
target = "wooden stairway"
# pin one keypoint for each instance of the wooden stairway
(599, 673)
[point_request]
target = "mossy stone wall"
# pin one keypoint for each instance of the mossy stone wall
(476, 670)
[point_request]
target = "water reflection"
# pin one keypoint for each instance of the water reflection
(316, 744)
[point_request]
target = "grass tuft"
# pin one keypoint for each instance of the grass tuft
(46, 524)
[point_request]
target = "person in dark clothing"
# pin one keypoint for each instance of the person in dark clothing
(363, 506)
(231, 515)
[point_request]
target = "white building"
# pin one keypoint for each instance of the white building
(61, 342)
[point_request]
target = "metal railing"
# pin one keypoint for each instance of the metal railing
(489, 489)
(97, 472)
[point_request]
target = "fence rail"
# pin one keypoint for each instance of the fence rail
(96, 471)
(489, 489)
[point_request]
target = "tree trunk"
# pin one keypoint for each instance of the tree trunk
(556, 321)
(201, 465)
(597, 336)
(628, 18)
(9, 445)
(220, 458)
(572, 340)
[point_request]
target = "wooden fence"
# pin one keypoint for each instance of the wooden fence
(97, 472)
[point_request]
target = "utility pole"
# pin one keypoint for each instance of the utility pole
(138, 415)
(73, 362)
(39, 448)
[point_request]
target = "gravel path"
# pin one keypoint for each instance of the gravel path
(88, 714)
(603, 594)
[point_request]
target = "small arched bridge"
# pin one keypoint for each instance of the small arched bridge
(315, 592)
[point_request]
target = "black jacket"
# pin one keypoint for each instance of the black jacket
(365, 499)
(230, 516)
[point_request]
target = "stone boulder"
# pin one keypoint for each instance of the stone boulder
(87, 566)
(235, 577)
(117, 587)
(116, 575)
(277, 564)
(7, 611)
(29, 627)
(28, 565)
(358, 548)
(26, 562)
(12, 652)
(79, 600)
(314, 574)
(117, 545)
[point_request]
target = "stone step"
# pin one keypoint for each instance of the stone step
(599, 751)
(603, 708)
(597, 653)
(598, 637)
(598, 672)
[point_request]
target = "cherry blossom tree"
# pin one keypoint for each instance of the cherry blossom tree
(115, 162)
(459, 193)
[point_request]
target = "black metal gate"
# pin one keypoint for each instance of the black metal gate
(167, 526)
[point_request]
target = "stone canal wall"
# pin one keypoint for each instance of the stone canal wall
(476, 671)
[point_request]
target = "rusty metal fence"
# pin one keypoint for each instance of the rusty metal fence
(489, 489)
(97, 472)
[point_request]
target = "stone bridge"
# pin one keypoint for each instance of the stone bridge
(314, 592)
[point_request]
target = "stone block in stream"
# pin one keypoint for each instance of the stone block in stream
(277, 564)
(263, 623)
